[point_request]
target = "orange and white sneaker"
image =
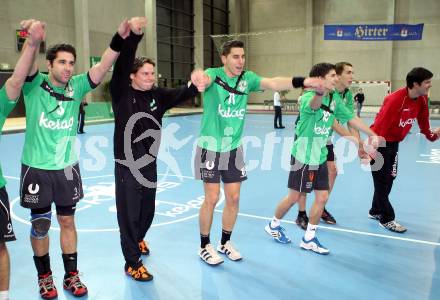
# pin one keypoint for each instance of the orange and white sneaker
(73, 284)
(47, 287)
(139, 274)
(143, 246)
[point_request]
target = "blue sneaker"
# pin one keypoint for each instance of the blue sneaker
(314, 245)
(277, 233)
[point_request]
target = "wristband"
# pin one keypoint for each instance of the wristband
(298, 82)
(116, 43)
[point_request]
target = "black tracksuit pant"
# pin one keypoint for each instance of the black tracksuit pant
(278, 119)
(135, 206)
(383, 179)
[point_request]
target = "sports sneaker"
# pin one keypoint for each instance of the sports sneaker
(229, 250)
(47, 287)
(210, 256)
(314, 245)
(302, 220)
(374, 217)
(393, 226)
(277, 233)
(143, 246)
(327, 217)
(139, 274)
(73, 284)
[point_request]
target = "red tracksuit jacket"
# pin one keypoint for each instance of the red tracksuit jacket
(398, 113)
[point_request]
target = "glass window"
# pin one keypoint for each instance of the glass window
(215, 21)
(175, 42)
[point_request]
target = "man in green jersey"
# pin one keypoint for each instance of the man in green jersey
(219, 154)
(9, 94)
(319, 113)
(50, 168)
(344, 72)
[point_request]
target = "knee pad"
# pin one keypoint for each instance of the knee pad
(40, 225)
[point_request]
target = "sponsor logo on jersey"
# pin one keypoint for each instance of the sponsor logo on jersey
(242, 86)
(321, 130)
(407, 122)
(69, 91)
(153, 105)
(231, 113)
(55, 125)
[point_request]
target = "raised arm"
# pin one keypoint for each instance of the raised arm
(124, 63)
(98, 71)
(36, 33)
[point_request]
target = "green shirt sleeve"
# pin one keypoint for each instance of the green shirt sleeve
(342, 113)
(306, 98)
(253, 81)
(350, 103)
(6, 104)
(81, 85)
(211, 73)
(32, 82)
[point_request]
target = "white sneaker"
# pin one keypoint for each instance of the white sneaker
(210, 256)
(229, 250)
(314, 245)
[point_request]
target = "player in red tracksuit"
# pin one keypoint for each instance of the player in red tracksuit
(398, 113)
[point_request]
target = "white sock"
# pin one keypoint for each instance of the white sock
(310, 232)
(4, 295)
(275, 222)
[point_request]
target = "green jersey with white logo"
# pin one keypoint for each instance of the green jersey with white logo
(6, 106)
(314, 128)
(224, 109)
(51, 121)
(346, 98)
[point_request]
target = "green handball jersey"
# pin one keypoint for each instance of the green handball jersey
(224, 109)
(6, 106)
(314, 128)
(346, 97)
(51, 121)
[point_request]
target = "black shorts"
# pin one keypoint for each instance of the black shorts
(6, 230)
(304, 178)
(331, 153)
(212, 166)
(39, 188)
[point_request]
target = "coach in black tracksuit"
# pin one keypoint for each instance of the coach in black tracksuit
(138, 107)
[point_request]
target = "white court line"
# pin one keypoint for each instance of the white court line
(291, 222)
(11, 177)
(346, 230)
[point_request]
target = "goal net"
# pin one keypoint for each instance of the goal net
(374, 90)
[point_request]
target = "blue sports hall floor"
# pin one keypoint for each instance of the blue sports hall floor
(365, 262)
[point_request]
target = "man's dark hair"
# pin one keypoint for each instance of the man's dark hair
(339, 67)
(139, 62)
(321, 69)
(417, 75)
(51, 53)
(228, 45)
